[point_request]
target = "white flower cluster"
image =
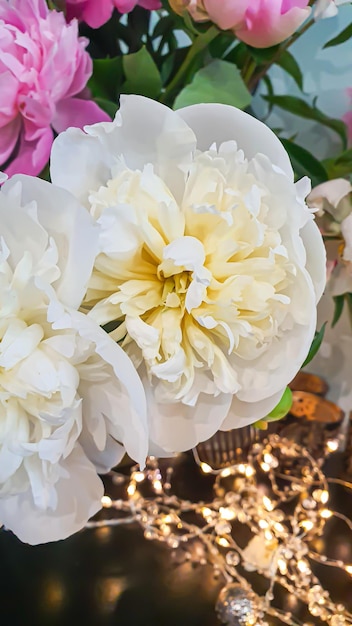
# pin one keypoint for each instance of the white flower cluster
(186, 234)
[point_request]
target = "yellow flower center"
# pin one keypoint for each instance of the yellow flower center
(194, 284)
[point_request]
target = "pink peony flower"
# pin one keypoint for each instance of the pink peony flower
(44, 69)
(96, 12)
(259, 23)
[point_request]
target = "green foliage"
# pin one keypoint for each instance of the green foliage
(304, 163)
(339, 302)
(345, 34)
(316, 343)
(106, 78)
(340, 166)
(278, 413)
(299, 107)
(288, 63)
(220, 82)
(142, 74)
(109, 107)
(282, 408)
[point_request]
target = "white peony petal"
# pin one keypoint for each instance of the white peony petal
(316, 252)
(78, 494)
(177, 427)
(79, 163)
(165, 141)
(244, 413)
(220, 123)
(333, 191)
(72, 228)
(132, 421)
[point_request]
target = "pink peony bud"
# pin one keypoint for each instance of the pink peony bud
(44, 69)
(259, 23)
(96, 12)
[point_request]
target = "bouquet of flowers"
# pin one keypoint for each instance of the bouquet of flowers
(159, 281)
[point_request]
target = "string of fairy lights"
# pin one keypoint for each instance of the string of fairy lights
(280, 494)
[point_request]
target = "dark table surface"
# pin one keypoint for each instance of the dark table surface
(113, 576)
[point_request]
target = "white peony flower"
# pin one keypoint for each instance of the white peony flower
(333, 201)
(70, 399)
(327, 8)
(210, 264)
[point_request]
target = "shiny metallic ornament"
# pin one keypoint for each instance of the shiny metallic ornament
(235, 606)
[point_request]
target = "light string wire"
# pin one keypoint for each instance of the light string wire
(279, 474)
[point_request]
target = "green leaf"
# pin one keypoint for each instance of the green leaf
(263, 56)
(339, 302)
(288, 63)
(316, 343)
(163, 26)
(238, 55)
(304, 163)
(220, 82)
(142, 74)
(345, 34)
(109, 107)
(282, 408)
(299, 107)
(106, 78)
(339, 166)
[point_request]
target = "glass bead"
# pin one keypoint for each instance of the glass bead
(235, 606)
(223, 528)
(232, 558)
(338, 620)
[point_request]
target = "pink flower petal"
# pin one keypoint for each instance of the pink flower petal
(8, 138)
(77, 112)
(95, 14)
(32, 155)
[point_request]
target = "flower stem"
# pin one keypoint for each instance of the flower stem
(248, 70)
(199, 44)
(257, 77)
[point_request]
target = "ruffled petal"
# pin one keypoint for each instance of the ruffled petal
(166, 142)
(218, 123)
(72, 229)
(122, 401)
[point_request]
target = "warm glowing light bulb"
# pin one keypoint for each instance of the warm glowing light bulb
(227, 513)
(222, 542)
(307, 524)
(226, 472)
(138, 477)
(325, 513)
(250, 471)
(206, 468)
(332, 445)
(106, 502)
(348, 569)
(131, 489)
(321, 495)
(263, 524)
(268, 503)
(302, 566)
(157, 486)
